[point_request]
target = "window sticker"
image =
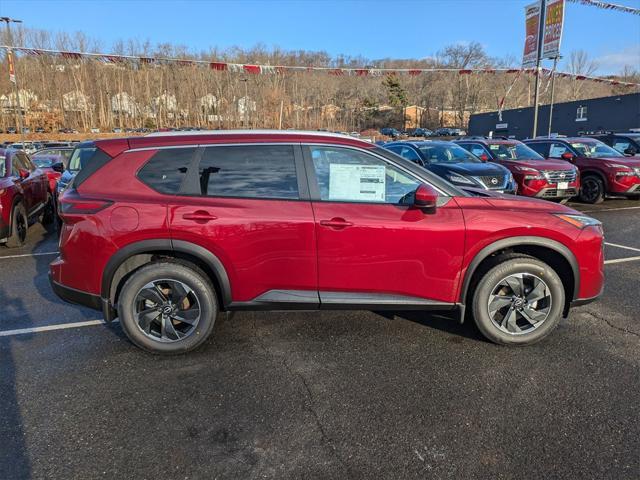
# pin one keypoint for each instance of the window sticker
(362, 183)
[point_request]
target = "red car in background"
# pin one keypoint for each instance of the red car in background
(535, 175)
(53, 166)
(603, 169)
(24, 196)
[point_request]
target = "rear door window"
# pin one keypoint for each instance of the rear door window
(249, 171)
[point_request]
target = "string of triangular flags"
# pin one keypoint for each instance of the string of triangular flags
(608, 6)
(254, 69)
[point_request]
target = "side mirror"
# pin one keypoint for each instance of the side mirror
(630, 152)
(24, 173)
(426, 198)
(484, 157)
(568, 156)
(58, 167)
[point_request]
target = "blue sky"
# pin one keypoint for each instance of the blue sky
(374, 29)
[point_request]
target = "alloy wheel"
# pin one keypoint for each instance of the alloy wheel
(21, 228)
(590, 190)
(167, 310)
(519, 303)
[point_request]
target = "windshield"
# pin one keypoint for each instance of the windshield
(46, 161)
(79, 157)
(594, 149)
(514, 151)
(447, 154)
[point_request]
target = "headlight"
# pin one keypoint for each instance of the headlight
(460, 179)
(637, 170)
(580, 221)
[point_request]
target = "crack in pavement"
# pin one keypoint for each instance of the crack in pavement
(615, 327)
(309, 403)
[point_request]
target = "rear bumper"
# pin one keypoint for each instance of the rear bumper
(78, 297)
(5, 231)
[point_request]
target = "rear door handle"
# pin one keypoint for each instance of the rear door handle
(199, 216)
(336, 222)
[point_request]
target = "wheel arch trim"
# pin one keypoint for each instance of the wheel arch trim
(166, 244)
(517, 242)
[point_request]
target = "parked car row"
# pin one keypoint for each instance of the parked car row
(422, 132)
(556, 168)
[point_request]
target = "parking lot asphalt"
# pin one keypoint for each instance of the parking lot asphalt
(321, 395)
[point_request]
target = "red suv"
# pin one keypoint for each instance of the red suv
(24, 196)
(165, 231)
(604, 170)
(536, 176)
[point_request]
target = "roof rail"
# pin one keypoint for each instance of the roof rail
(245, 132)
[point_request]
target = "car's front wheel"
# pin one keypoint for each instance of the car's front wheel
(19, 226)
(518, 301)
(168, 307)
(592, 190)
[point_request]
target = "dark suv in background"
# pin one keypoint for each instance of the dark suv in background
(535, 175)
(165, 231)
(626, 143)
(603, 170)
(455, 164)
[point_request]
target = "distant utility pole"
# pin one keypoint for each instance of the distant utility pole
(536, 94)
(8, 21)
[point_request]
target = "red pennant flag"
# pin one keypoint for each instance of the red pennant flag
(337, 72)
(146, 60)
(513, 70)
(219, 66)
(415, 73)
(252, 69)
(362, 72)
(464, 72)
(70, 55)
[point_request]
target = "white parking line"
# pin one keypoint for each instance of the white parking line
(622, 246)
(610, 209)
(622, 260)
(48, 328)
(28, 255)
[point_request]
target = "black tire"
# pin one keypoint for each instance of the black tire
(204, 298)
(19, 226)
(531, 268)
(592, 190)
(634, 197)
(49, 213)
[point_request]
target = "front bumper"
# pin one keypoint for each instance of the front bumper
(555, 193)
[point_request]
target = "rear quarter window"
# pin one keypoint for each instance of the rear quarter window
(167, 169)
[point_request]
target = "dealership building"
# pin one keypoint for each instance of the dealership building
(619, 113)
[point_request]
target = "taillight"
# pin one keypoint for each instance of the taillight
(71, 203)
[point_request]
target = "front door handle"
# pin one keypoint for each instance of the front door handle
(199, 216)
(336, 222)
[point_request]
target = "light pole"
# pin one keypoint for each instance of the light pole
(8, 21)
(553, 84)
(536, 95)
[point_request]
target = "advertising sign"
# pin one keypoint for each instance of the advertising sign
(532, 29)
(12, 71)
(553, 20)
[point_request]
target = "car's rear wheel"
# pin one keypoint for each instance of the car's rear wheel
(592, 189)
(168, 307)
(19, 226)
(519, 301)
